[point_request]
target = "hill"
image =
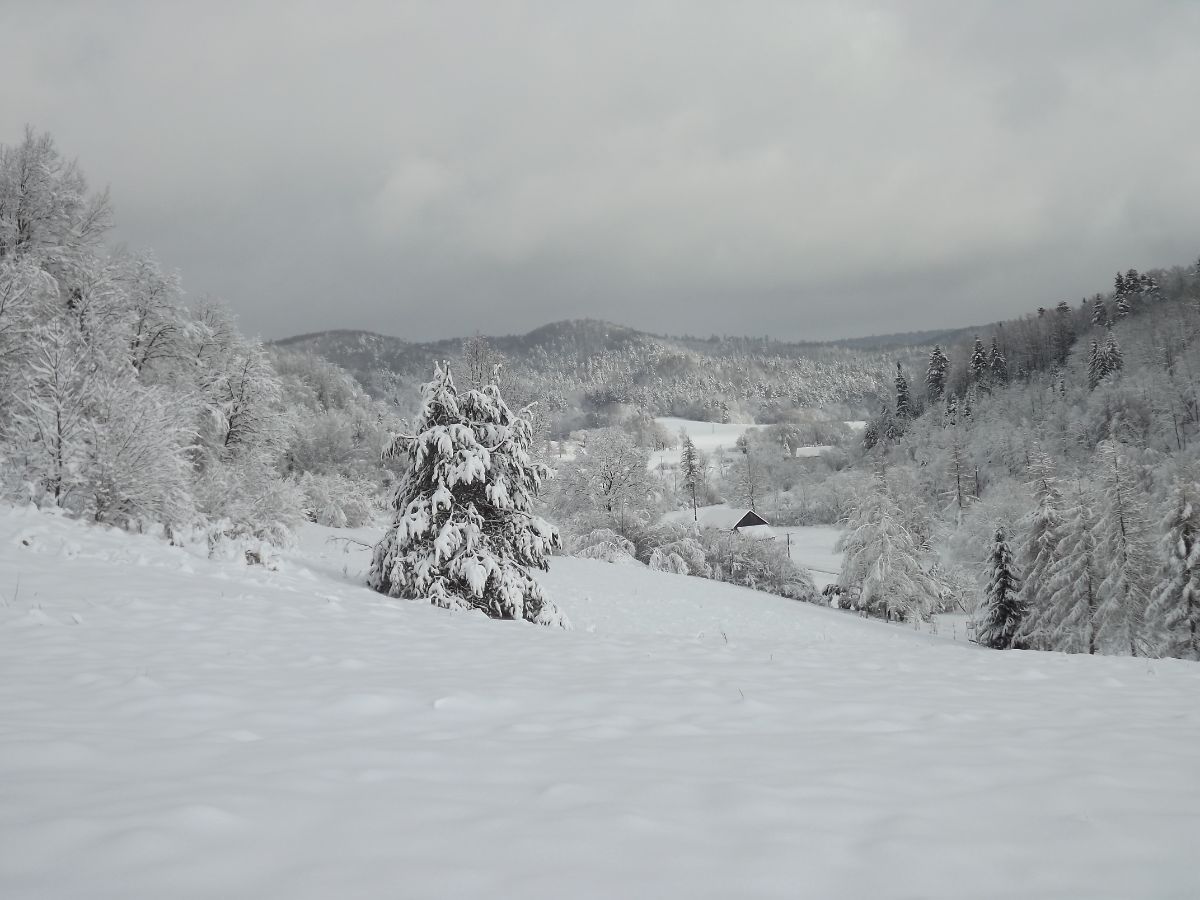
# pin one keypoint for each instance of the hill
(172, 725)
(586, 365)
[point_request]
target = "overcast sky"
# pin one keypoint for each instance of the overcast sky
(804, 170)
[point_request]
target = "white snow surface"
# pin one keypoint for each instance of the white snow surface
(174, 727)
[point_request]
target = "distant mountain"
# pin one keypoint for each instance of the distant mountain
(596, 364)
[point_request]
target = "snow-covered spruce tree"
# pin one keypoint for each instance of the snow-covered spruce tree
(689, 468)
(1124, 551)
(1099, 313)
(997, 364)
(998, 620)
(1095, 366)
(904, 409)
(1074, 579)
(1110, 357)
(1042, 531)
(935, 375)
(464, 536)
(978, 368)
(1173, 618)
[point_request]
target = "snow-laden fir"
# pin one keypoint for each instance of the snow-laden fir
(465, 535)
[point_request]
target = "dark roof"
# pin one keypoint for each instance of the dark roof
(749, 519)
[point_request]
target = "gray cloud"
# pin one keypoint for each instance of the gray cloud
(805, 170)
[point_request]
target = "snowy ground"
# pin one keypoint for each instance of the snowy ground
(175, 727)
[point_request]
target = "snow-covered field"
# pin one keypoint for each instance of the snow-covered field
(176, 727)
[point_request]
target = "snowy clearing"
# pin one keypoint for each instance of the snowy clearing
(176, 727)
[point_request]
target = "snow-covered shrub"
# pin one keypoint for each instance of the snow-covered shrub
(246, 498)
(464, 536)
(760, 564)
(338, 501)
(605, 544)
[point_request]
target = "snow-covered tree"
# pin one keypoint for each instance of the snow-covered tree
(1110, 357)
(1124, 550)
(747, 486)
(978, 366)
(997, 364)
(935, 375)
(1096, 371)
(1173, 618)
(47, 429)
(1041, 533)
(1074, 579)
(1099, 313)
(882, 559)
(904, 409)
(607, 485)
(689, 469)
(137, 469)
(998, 621)
(465, 536)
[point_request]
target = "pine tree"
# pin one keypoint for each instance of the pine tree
(1064, 332)
(1111, 360)
(1121, 309)
(950, 416)
(1173, 618)
(1074, 579)
(464, 536)
(997, 364)
(935, 376)
(1038, 553)
(1000, 616)
(689, 468)
(1128, 564)
(1099, 313)
(1119, 286)
(1095, 366)
(870, 438)
(979, 367)
(903, 400)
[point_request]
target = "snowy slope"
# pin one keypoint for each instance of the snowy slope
(174, 727)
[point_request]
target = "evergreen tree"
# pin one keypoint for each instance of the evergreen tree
(1038, 553)
(871, 435)
(1119, 286)
(997, 364)
(1064, 332)
(1099, 313)
(464, 536)
(1173, 619)
(1121, 308)
(1111, 360)
(1000, 616)
(1074, 579)
(950, 416)
(689, 468)
(1128, 564)
(903, 400)
(935, 376)
(979, 366)
(1095, 366)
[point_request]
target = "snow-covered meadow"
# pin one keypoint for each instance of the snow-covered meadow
(173, 726)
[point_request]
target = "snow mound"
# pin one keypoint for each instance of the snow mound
(241, 733)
